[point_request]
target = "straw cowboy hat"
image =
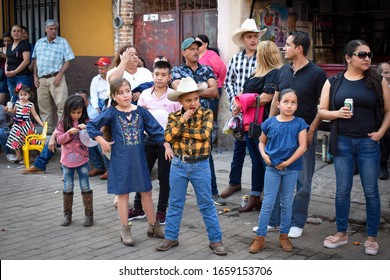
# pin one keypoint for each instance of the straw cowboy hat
(185, 86)
(249, 25)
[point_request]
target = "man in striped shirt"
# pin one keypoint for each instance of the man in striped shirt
(240, 68)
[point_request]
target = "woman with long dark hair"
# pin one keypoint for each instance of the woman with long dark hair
(356, 128)
(17, 62)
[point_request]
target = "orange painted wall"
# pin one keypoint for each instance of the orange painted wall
(87, 25)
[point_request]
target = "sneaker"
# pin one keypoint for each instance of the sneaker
(295, 232)
(218, 200)
(371, 248)
(136, 214)
(269, 229)
(160, 217)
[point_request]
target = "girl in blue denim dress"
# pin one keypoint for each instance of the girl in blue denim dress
(128, 168)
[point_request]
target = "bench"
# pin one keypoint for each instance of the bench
(34, 142)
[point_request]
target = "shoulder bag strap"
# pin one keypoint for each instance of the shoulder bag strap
(257, 107)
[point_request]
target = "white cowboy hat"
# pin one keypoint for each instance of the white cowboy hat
(185, 86)
(249, 25)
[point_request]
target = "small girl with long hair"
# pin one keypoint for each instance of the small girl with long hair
(282, 143)
(128, 167)
(22, 125)
(74, 157)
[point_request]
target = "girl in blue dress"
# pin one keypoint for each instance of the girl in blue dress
(128, 168)
(282, 143)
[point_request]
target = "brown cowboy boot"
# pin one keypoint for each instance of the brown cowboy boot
(88, 208)
(258, 244)
(68, 203)
(285, 243)
(254, 202)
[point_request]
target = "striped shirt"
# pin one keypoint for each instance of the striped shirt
(52, 55)
(192, 137)
(240, 68)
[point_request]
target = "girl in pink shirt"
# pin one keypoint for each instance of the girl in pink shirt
(74, 157)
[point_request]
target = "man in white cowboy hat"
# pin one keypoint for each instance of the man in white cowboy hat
(189, 132)
(200, 74)
(241, 66)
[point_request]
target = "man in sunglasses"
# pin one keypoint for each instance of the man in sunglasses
(384, 70)
(307, 80)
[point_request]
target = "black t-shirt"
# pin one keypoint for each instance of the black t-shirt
(364, 104)
(307, 82)
(266, 84)
(15, 56)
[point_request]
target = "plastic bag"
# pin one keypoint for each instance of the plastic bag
(234, 127)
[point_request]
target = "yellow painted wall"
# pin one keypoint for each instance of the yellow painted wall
(87, 25)
(1, 20)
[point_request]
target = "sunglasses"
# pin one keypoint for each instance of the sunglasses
(363, 55)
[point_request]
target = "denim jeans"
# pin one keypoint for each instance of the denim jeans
(303, 191)
(366, 153)
(3, 140)
(44, 157)
(214, 187)
(96, 157)
(82, 171)
(155, 152)
(102, 104)
(258, 168)
(277, 181)
(198, 174)
(239, 153)
(385, 149)
(13, 81)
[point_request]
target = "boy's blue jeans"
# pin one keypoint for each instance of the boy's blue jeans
(198, 174)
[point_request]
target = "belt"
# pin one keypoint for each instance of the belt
(192, 159)
(50, 75)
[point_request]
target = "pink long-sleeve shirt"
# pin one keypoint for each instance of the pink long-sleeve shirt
(73, 152)
(212, 59)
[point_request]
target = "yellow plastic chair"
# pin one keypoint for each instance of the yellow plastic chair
(28, 146)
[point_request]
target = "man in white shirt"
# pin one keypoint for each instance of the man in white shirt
(99, 86)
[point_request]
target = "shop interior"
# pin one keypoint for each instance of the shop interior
(331, 23)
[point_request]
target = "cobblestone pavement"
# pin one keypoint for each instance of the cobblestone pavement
(31, 213)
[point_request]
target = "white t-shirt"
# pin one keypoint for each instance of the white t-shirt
(143, 75)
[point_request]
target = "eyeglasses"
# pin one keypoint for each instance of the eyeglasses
(363, 55)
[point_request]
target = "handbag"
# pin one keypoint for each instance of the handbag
(255, 128)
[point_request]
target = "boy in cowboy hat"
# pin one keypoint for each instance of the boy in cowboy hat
(189, 132)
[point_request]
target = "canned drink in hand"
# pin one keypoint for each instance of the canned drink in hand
(348, 102)
(244, 200)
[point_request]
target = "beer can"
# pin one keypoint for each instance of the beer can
(348, 102)
(244, 200)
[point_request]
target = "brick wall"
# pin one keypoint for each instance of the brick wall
(124, 34)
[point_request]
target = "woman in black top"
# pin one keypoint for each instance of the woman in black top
(355, 136)
(18, 59)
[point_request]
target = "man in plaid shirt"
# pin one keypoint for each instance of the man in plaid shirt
(241, 66)
(189, 133)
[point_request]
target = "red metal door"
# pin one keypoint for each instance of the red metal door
(154, 35)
